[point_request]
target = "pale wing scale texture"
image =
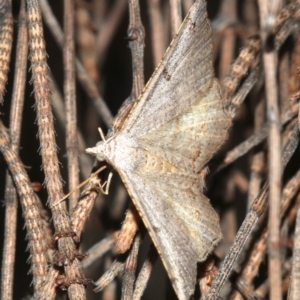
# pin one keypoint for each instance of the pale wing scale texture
(185, 73)
(195, 213)
(189, 140)
(178, 244)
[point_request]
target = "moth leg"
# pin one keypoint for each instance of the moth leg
(106, 184)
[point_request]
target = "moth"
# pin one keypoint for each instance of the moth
(174, 128)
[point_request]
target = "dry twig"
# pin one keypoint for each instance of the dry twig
(254, 140)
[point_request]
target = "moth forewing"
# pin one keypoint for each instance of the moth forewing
(185, 72)
(174, 128)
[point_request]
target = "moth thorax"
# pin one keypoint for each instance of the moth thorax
(100, 151)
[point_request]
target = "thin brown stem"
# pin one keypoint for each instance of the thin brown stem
(136, 34)
(157, 32)
(243, 91)
(111, 23)
(258, 158)
(294, 82)
(253, 263)
(187, 4)
(86, 36)
(6, 38)
(111, 291)
(49, 289)
(253, 47)
(283, 79)
(176, 16)
(84, 206)
(257, 209)
(289, 191)
(9, 241)
(33, 221)
(257, 254)
(274, 177)
(83, 76)
(144, 275)
(234, 251)
(274, 150)
(59, 113)
(227, 45)
(10, 198)
(256, 138)
(67, 251)
(129, 228)
(268, 14)
(115, 269)
(70, 101)
(97, 251)
(294, 291)
(130, 269)
(241, 66)
(19, 81)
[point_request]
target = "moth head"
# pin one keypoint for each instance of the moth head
(97, 151)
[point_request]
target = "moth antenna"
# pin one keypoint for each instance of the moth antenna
(82, 184)
(101, 134)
